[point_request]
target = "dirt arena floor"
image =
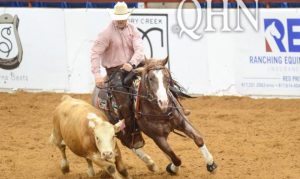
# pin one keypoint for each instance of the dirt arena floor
(249, 138)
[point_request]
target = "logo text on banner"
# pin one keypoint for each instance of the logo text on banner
(282, 36)
(154, 29)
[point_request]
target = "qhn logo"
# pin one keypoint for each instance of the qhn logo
(282, 36)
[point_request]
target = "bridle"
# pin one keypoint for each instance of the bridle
(141, 95)
(145, 79)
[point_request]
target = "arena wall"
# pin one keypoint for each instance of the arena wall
(56, 50)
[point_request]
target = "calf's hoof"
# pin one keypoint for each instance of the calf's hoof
(211, 168)
(65, 169)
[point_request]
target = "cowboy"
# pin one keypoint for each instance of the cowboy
(119, 48)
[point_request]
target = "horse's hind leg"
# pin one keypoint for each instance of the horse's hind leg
(162, 143)
(190, 131)
(146, 158)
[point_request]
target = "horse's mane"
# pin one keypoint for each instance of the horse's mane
(152, 64)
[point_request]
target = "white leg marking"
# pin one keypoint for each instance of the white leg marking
(64, 163)
(145, 158)
(90, 171)
(206, 154)
(174, 168)
(161, 92)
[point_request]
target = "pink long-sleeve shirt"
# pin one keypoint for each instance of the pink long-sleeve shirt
(114, 47)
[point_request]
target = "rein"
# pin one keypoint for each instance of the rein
(140, 96)
(109, 89)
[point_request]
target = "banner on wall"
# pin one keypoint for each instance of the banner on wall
(10, 45)
(52, 51)
(29, 58)
(154, 30)
(271, 63)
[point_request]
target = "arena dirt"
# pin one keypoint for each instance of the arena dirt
(249, 138)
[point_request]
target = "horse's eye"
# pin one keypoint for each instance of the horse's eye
(150, 79)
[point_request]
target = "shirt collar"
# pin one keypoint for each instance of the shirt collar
(115, 25)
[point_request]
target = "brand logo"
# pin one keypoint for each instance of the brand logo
(196, 33)
(10, 45)
(154, 30)
(282, 36)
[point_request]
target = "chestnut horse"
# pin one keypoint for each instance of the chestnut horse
(158, 113)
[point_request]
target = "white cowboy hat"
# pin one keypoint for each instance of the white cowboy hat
(120, 11)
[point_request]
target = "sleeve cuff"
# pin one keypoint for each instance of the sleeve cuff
(132, 64)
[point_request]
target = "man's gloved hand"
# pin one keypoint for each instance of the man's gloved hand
(100, 81)
(127, 67)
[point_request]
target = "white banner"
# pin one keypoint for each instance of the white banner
(43, 64)
(154, 30)
(49, 49)
(270, 62)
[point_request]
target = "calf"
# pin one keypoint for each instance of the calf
(87, 132)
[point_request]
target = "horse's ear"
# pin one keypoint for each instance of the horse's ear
(165, 61)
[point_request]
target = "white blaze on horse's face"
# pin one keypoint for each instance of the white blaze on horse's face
(161, 93)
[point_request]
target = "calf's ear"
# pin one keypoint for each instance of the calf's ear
(92, 124)
(119, 126)
(93, 120)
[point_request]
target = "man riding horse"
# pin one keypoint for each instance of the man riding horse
(119, 49)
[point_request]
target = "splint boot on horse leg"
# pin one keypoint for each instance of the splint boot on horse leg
(132, 137)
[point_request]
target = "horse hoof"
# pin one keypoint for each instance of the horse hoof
(152, 167)
(170, 171)
(211, 168)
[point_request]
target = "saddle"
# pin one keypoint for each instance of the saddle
(107, 103)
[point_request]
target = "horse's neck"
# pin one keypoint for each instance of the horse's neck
(270, 39)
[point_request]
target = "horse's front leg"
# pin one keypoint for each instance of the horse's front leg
(162, 143)
(145, 158)
(186, 127)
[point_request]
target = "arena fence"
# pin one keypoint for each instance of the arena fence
(143, 3)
